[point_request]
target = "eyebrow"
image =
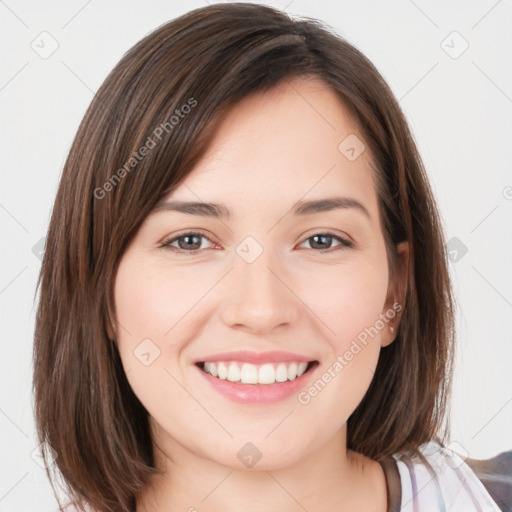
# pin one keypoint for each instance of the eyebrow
(299, 208)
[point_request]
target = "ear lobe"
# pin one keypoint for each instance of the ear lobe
(110, 332)
(397, 290)
(403, 271)
(110, 326)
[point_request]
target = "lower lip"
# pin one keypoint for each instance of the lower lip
(258, 393)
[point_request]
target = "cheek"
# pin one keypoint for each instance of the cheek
(151, 300)
(155, 313)
(351, 353)
(350, 307)
(350, 301)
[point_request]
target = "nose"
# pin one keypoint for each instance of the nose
(259, 298)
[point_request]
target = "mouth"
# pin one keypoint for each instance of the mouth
(266, 374)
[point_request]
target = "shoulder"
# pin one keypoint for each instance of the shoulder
(437, 478)
(496, 475)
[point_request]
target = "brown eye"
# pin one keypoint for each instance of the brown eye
(323, 241)
(186, 242)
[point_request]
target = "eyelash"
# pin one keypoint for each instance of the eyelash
(344, 243)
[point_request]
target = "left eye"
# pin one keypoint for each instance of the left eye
(191, 242)
(319, 239)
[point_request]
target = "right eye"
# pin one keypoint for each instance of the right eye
(189, 241)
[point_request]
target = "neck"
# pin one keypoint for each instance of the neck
(330, 476)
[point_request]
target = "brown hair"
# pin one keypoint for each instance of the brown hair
(209, 59)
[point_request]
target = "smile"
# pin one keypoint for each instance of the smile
(247, 373)
(249, 383)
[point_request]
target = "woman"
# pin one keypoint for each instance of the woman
(244, 297)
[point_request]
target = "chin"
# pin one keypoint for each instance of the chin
(262, 455)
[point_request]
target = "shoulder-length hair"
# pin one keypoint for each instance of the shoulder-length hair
(168, 94)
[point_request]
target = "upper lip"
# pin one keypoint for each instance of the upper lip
(246, 356)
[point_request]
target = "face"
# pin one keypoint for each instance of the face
(267, 280)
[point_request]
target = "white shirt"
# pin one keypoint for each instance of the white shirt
(442, 482)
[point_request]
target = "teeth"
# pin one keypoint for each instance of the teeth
(246, 373)
(266, 374)
(233, 373)
(292, 371)
(222, 370)
(301, 368)
(249, 374)
(281, 373)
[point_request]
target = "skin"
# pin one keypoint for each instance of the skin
(270, 151)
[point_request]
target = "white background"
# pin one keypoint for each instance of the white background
(459, 110)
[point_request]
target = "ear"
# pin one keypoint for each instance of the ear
(110, 331)
(110, 325)
(395, 298)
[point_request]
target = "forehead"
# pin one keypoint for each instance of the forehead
(282, 145)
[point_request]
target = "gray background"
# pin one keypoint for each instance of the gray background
(458, 101)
